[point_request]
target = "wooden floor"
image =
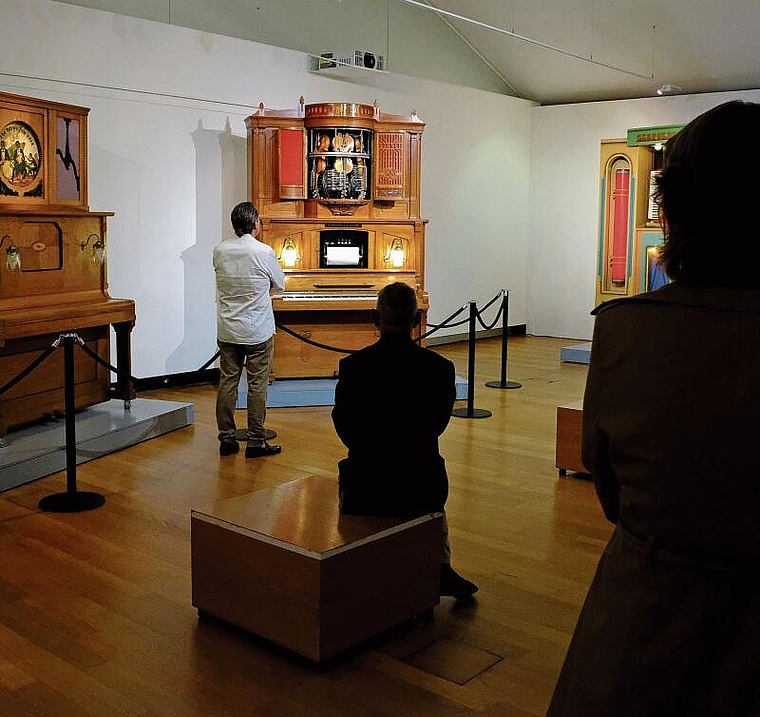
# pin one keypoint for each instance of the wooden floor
(95, 613)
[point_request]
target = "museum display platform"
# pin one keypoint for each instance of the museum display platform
(40, 450)
(290, 393)
(577, 353)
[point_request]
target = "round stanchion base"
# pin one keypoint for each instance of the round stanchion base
(269, 434)
(476, 413)
(71, 502)
(503, 384)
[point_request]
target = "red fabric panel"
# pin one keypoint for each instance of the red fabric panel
(291, 157)
(620, 204)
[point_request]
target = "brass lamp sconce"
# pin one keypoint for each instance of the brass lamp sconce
(396, 255)
(98, 248)
(289, 255)
(12, 255)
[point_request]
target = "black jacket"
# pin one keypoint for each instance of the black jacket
(392, 402)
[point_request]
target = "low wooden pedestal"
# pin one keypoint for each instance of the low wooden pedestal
(285, 565)
(569, 428)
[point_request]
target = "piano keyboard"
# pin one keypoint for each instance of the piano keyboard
(311, 296)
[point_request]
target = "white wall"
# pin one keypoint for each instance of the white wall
(413, 41)
(564, 199)
(511, 190)
(168, 155)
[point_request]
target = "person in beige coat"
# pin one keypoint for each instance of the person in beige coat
(671, 435)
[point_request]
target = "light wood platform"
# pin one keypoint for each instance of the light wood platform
(569, 429)
(285, 565)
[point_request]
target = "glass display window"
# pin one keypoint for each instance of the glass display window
(339, 163)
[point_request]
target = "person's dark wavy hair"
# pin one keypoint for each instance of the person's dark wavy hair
(243, 218)
(709, 194)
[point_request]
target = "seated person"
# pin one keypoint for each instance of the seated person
(392, 402)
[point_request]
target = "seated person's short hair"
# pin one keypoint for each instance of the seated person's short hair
(397, 306)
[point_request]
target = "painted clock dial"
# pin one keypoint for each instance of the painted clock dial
(20, 161)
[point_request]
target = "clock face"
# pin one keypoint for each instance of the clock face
(19, 156)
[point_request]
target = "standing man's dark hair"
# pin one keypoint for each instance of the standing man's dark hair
(244, 218)
(393, 400)
(246, 270)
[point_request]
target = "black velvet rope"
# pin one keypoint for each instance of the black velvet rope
(434, 327)
(491, 302)
(313, 343)
(447, 323)
(135, 381)
(210, 361)
(495, 321)
(479, 314)
(91, 353)
(33, 365)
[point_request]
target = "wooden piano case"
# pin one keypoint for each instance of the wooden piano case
(53, 276)
(327, 308)
(341, 178)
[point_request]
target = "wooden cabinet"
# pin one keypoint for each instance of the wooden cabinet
(569, 433)
(629, 228)
(337, 186)
(53, 270)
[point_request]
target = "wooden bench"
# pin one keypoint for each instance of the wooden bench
(569, 430)
(283, 563)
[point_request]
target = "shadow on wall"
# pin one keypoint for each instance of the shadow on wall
(220, 183)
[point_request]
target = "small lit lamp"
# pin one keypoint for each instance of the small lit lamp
(98, 248)
(396, 255)
(289, 254)
(12, 255)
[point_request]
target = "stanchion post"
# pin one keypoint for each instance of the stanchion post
(69, 402)
(72, 501)
(503, 383)
(471, 412)
(124, 388)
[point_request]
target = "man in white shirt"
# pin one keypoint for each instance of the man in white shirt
(246, 270)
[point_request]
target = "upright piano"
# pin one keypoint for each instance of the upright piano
(337, 186)
(331, 310)
(53, 269)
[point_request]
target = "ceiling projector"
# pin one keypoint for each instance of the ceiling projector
(351, 58)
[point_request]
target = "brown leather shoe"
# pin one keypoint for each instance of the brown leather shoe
(265, 449)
